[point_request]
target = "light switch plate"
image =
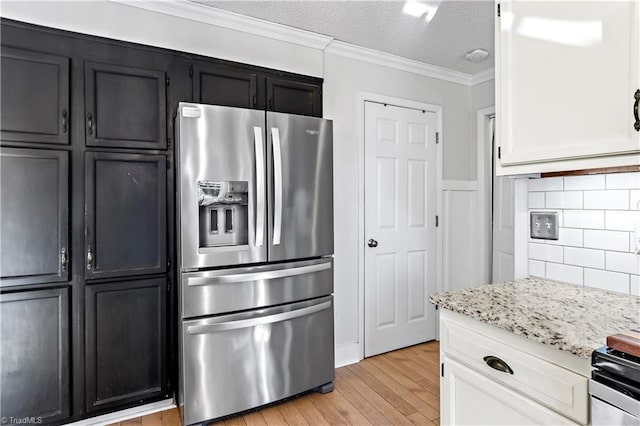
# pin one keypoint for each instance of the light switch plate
(544, 225)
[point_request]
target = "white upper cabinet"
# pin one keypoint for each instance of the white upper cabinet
(566, 75)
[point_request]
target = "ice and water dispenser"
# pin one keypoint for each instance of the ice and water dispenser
(224, 213)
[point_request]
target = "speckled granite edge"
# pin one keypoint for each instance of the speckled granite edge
(571, 318)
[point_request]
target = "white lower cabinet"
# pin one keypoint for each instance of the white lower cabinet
(471, 398)
(493, 377)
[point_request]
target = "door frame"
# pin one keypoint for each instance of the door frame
(404, 103)
(485, 182)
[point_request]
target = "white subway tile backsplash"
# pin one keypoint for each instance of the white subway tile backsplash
(606, 240)
(568, 237)
(622, 262)
(635, 285)
(536, 200)
(623, 180)
(585, 219)
(606, 200)
(563, 200)
(606, 280)
(621, 220)
(545, 252)
(548, 184)
(634, 199)
(599, 215)
(584, 257)
(536, 268)
(566, 273)
(578, 183)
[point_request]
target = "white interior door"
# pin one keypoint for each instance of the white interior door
(503, 222)
(400, 233)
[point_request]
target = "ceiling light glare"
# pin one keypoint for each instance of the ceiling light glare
(418, 9)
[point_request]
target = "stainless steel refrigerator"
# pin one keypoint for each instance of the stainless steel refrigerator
(255, 245)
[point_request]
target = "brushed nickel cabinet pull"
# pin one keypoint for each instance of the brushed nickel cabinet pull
(64, 258)
(90, 258)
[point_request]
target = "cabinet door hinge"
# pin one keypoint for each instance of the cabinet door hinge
(437, 137)
(168, 142)
(190, 70)
(442, 369)
(499, 153)
(437, 221)
(168, 286)
(498, 10)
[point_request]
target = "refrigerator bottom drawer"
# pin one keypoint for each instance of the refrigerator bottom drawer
(235, 362)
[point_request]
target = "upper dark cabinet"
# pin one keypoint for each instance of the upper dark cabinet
(35, 97)
(126, 214)
(220, 85)
(35, 216)
(294, 97)
(34, 360)
(125, 106)
(126, 342)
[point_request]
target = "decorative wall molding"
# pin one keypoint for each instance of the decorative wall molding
(221, 18)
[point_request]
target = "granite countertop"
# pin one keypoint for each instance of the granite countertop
(572, 318)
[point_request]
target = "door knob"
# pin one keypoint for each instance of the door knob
(372, 243)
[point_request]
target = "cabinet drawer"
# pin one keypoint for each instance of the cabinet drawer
(552, 386)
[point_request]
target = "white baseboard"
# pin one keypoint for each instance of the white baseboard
(348, 354)
(129, 413)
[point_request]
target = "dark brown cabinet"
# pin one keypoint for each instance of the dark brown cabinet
(125, 106)
(34, 360)
(294, 97)
(35, 216)
(126, 205)
(220, 85)
(125, 342)
(35, 97)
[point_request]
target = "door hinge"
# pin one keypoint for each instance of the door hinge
(442, 369)
(437, 137)
(499, 153)
(498, 10)
(168, 81)
(437, 221)
(190, 70)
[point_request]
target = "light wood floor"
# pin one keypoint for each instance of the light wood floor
(396, 388)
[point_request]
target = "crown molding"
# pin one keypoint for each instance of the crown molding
(221, 18)
(483, 76)
(233, 21)
(352, 51)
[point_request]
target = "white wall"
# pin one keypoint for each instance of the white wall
(129, 23)
(599, 220)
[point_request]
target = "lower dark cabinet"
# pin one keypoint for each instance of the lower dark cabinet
(34, 359)
(125, 342)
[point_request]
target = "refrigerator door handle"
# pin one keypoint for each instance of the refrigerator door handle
(277, 183)
(255, 276)
(252, 322)
(260, 184)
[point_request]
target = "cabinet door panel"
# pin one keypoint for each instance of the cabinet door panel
(294, 97)
(35, 97)
(219, 85)
(125, 107)
(470, 398)
(566, 77)
(125, 214)
(126, 344)
(34, 360)
(34, 198)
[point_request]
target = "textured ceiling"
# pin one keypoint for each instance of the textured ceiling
(457, 27)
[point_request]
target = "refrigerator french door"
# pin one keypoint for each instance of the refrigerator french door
(252, 187)
(255, 235)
